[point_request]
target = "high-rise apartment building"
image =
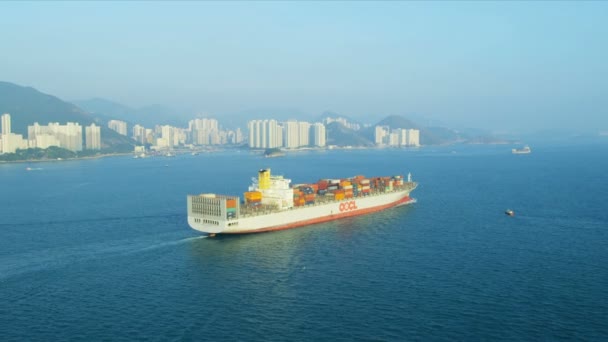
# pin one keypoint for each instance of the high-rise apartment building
(139, 134)
(93, 137)
(413, 137)
(253, 127)
(303, 133)
(319, 138)
(6, 123)
(204, 131)
(11, 142)
(265, 134)
(167, 138)
(238, 136)
(380, 133)
(274, 134)
(393, 137)
(292, 134)
(41, 137)
(118, 126)
(68, 136)
(397, 137)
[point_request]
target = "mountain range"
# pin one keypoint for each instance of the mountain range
(28, 105)
(147, 116)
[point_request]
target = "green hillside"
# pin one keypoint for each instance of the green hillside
(396, 121)
(27, 105)
(147, 116)
(428, 135)
(339, 135)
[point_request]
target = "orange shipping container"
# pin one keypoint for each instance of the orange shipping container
(253, 195)
(322, 185)
(231, 203)
(339, 196)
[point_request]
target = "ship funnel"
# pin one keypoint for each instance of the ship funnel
(264, 179)
(409, 177)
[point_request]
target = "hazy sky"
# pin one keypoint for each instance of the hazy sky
(515, 65)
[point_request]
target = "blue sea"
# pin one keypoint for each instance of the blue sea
(101, 250)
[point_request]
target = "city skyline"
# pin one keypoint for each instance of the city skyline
(68, 136)
(266, 133)
(291, 134)
(514, 67)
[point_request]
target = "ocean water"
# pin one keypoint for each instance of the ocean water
(100, 249)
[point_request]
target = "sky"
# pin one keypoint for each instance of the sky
(504, 66)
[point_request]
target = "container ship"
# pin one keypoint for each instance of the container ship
(273, 203)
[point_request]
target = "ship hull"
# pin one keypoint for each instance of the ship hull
(307, 215)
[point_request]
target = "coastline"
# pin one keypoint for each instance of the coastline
(68, 159)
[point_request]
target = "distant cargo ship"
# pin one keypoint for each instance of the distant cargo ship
(524, 150)
(273, 204)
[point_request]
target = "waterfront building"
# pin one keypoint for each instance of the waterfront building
(253, 128)
(380, 134)
(265, 134)
(303, 133)
(167, 137)
(93, 137)
(204, 131)
(399, 137)
(292, 130)
(139, 134)
(41, 136)
(238, 136)
(319, 135)
(6, 123)
(413, 137)
(12, 142)
(68, 136)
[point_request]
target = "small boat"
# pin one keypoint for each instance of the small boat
(524, 150)
(509, 212)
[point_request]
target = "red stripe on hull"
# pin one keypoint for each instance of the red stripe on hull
(403, 201)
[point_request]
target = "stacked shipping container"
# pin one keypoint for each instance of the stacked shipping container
(339, 189)
(253, 198)
(231, 208)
